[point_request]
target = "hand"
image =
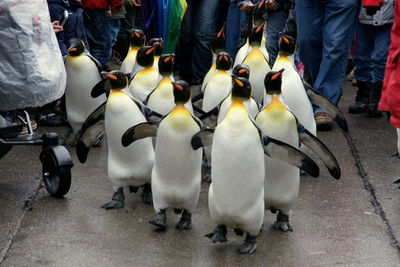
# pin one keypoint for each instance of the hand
(271, 4)
(136, 2)
(56, 27)
(109, 13)
(246, 6)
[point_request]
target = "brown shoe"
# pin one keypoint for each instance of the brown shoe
(324, 122)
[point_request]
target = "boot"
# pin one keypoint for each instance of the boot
(362, 98)
(374, 100)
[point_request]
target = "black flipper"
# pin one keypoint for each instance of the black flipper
(214, 112)
(202, 138)
(321, 151)
(319, 100)
(147, 112)
(285, 152)
(197, 97)
(140, 131)
(100, 88)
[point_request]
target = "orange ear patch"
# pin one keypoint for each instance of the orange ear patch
(137, 34)
(220, 33)
(225, 58)
(261, 4)
(286, 40)
(275, 76)
(238, 82)
(167, 59)
(112, 77)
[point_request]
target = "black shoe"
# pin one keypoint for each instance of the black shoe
(358, 107)
(373, 111)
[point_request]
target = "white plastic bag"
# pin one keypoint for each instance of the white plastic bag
(32, 71)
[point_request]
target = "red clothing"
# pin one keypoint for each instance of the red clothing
(372, 3)
(101, 4)
(390, 100)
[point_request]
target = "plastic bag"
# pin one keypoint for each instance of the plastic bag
(32, 71)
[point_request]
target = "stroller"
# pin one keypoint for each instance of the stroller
(32, 74)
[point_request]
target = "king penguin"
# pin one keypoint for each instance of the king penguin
(161, 99)
(158, 44)
(138, 39)
(236, 193)
(176, 176)
(282, 180)
(299, 96)
(83, 73)
(145, 80)
(127, 167)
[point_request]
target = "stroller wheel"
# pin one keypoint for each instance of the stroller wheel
(57, 179)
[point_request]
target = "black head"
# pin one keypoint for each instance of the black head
(273, 82)
(158, 44)
(241, 70)
(145, 56)
(182, 93)
(118, 79)
(287, 45)
(241, 88)
(256, 35)
(138, 38)
(224, 61)
(76, 47)
(218, 41)
(166, 64)
(259, 14)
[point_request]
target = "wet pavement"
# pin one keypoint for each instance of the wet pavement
(350, 222)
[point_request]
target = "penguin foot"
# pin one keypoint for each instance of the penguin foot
(160, 221)
(218, 234)
(185, 222)
(282, 223)
(147, 196)
(238, 231)
(133, 189)
(98, 141)
(117, 201)
(397, 182)
(249, 245)
(177, 211)
(396, 155)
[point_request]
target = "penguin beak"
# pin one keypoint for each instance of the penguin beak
(167, 59)
(286, 40)
(220, 32)
(112, 77)
(262, 3)
(150, 51)
(242, 71)
(137, 34)
(276, 75)
(73, 49)
(177, 86)
(260, 28)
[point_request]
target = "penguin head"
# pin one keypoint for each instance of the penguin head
(166, 64)
(224, 61)
(241, 70)
(241, 88)
(287, 45)
(118, 79)
(76, 47)
(145, 56)
(218, 41)
(158, 44)
(138, 39)
(182, 93)
(273, 82)
(259, 14)
(256, 35)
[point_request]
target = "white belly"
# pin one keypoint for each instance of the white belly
(250, 105)
(82, 76)
(129, 61)
(143, 83)
(217, 89)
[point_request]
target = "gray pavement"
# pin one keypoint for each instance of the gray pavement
(350, 222)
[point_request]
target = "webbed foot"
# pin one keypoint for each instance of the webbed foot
(282, 223)
(117, 201)
(185, 222)
(218, 234)
(249, 245)
(160, 221)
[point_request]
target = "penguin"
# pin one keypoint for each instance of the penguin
(127, 167)
(145, 80)
(176, 176)
(282, 180)
(297, 94)
(138, 39)
(258, 61)
(161, 99)
(219, 85)
(236, 193)
(217, 46)
(158, 44)
(252, 107)
(83, 73)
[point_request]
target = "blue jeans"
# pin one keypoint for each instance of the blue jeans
(325, 32)
(372, 46)
(275, 23)
(98, 30)
(198, 27)
(115, 26)
(234, 22)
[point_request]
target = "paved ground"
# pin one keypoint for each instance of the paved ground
(350, 222)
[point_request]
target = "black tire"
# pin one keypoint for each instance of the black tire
(57, 179)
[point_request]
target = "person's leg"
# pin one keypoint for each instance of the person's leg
(309, 18)
(203, 30)
(98, 34)
(275, 23)
(363, 66)
(115, 26)
(234, 21)
(338, 28)
(185, 43)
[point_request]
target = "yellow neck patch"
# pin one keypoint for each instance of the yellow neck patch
(283, 58)
(275, 104)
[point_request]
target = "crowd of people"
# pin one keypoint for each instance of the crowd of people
(324, 31)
